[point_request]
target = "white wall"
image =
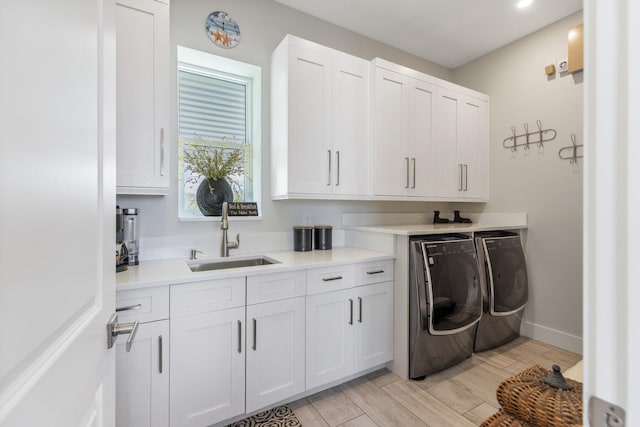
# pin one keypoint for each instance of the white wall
(263, 24)
(548, 188)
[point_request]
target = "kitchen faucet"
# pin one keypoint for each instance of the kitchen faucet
(224, 226)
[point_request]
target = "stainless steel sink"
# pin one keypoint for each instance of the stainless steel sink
(230, 263)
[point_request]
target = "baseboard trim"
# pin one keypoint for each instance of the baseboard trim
(552, 336)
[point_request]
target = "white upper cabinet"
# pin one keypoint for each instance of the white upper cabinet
(402, 137)
(142, 103)
(320, 122)
(461, 156)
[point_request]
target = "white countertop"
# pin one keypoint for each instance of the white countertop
(168, 272)
(417, 229)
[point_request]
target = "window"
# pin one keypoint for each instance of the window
(218, 115)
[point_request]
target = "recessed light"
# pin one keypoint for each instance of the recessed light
(524, 3)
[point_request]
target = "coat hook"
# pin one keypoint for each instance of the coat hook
(526, 132)
(539, 123)
(575, 149)
(513, 130)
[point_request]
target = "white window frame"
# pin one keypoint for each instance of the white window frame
(220, 67)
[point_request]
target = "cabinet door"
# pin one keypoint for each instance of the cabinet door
(275, 353)
(420, 118)
(310, 163)
(142, 377)
(448, 172)
(374, 325)
(207, 367)
(391, 161)
(329, 347)
(142, 97)
(473, 148)
(350, 126)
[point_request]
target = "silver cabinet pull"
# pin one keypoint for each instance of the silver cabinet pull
(114, 329)
(239, 336)
(350, 311)
(337, 168)
(359, 310)
(460, 167)
(329, 180)
(329, 279)
(406, 160)
(466, 177)
(413, 160)
(375, 272)
(129, 307)
(160, 353)
(161, 151)
(255, 334)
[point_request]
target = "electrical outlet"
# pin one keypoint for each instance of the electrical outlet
(563, 65)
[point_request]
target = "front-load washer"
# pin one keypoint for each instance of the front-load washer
(445, 302)
(505, 288)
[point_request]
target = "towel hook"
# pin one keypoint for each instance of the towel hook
(526, 132)
(513, 130)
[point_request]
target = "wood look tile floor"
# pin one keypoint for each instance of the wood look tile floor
(461, 396)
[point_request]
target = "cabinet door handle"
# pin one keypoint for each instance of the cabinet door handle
(406, 160)
(239, 336)
(255, 333)
(160, 353)
(337, 168)
(460, 167)
(359, 310)
(161, 151)
(413, 160)
(350, 311)
(466, 177)
(329, 279)
(375, 272)
(129, 307)
(329, 179)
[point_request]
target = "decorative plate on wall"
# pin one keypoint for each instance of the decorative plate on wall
(222, 30)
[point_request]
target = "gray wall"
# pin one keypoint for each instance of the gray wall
(263, 24)
(547, 188)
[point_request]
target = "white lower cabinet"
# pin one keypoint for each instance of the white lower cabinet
(348, 331)
(142, 377)
(275, 352)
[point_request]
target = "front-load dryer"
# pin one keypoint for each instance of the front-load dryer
(445, 302)
(505, 288)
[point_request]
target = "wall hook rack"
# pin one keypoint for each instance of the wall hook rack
(570, 152)
(538, 137)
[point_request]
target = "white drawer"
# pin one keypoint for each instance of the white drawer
(276, 286)
(204, 297)
(328, 279)
(144, 305)
(374, 272)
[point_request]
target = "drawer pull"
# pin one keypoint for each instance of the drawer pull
(129, 307)
(375, 272)
(329, 279)
(160, 353)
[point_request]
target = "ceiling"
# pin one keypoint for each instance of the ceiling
(448, 32)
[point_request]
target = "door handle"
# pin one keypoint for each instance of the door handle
(406, 160)
(129, 307)
(255, 334)
(460, 167)
(337, 168)
(160, 353)
(413, 160)
(329, 180)
(114, 329)
(239, 336)
(466, 177)
(161, 151)
(350, 311)
(359, 310)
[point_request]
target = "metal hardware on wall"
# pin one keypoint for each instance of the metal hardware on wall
(538, 137)
(570, 152)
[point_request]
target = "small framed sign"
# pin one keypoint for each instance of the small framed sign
(243, 209)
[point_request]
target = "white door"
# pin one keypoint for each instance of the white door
(612, 203)
(207, 367)
(275, 351)
(374, 325)
(448, 172)
(329, 344)
(57, 224)
(420, 126)
(351, 126)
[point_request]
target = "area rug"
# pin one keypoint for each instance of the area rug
(282, 416)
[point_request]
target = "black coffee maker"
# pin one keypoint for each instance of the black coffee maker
(122, 254)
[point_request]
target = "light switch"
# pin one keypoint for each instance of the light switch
(563, 65)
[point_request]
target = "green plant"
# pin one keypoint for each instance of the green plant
(213, 162)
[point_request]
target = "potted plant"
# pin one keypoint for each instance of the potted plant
(216, 165)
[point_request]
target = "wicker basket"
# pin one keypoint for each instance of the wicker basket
(502, 419)
(528, 398)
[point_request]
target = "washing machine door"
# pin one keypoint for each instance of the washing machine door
(506, 275)
(454, 296)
